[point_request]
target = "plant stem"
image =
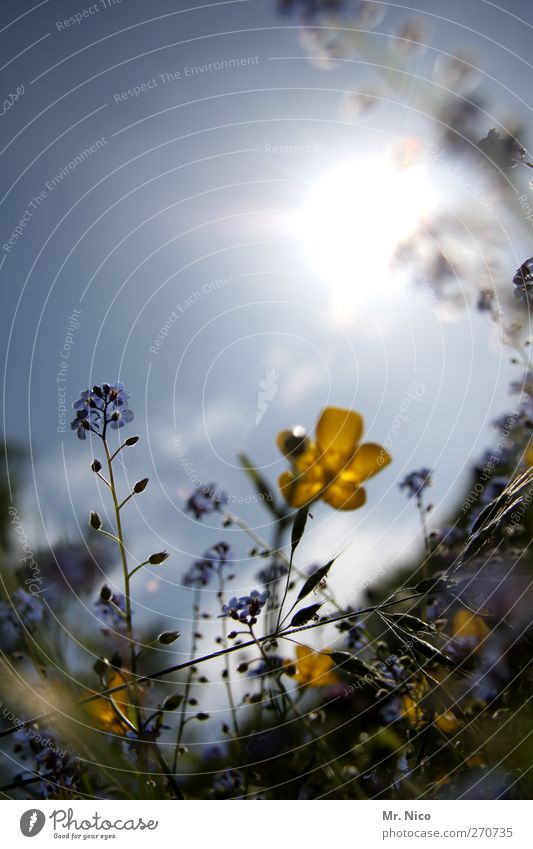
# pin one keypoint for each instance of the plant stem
(125, 570)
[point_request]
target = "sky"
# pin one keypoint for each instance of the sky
(172, 215)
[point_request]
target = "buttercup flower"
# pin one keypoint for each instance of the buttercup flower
(313, 669)
(333, 467)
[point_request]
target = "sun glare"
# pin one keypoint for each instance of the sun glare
(353, 221)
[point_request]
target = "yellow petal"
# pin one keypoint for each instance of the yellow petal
(529, 454)
(411, 711)
(447, 722)
(467, 625)
(102, 710)
(298, 490)
(345, 493)
(314, 669)
(310, 456)
(338, 433)
(368, 460)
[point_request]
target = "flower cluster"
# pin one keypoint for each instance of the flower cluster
(416, 482)
(101, 406)
(206, 499)
(213, 560)
(247, 608)
(333, 467)
(523, 280)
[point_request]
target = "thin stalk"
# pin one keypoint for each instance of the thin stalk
(162, 673)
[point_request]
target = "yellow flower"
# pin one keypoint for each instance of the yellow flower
(103, 711)
(411, 711)
(447, 722)
(469, 628)
(334, 466)
(312, 668)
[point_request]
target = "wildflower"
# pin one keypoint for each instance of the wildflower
(101, 406)
(416, 482)
(312, 668)
(485, 300)
(273, 572)
(523, 280)
(504, 150)
(206, 499)
(201, 571)
(111, 610)
(106, 711)
(246, 608)
(447, 722)
(468, 632)
(332, 468)
(228, 785)
(28, 607)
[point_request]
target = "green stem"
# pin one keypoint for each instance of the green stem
(125, 570)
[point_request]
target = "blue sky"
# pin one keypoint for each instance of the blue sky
(178, 184)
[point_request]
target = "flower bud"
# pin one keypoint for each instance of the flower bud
(106, 594)
(172, 702)
(159, 557)
(140, 486)
(168, 637)
(131, 440)
(96, 465)
(95, 520)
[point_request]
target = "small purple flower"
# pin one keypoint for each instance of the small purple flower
(201, 571)
(28, 606)
(109, 612)
(247, 608)
(120, 417)
(205, 500)
(416, 482)
(523, 280)
(101, 406)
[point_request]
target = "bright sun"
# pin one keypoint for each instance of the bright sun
(354, 219)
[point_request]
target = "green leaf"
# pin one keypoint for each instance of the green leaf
(313, 580)
(261, 486)
(172, 702)
(406, 620)
(298, 528)
(428, 650)
(352, 664)
(305, 614)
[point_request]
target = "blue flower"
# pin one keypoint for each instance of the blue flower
(246, 608)
(206, 499)
(416, 482)
(101, 406)
(201, 571)
(523, 280)
(120, 417)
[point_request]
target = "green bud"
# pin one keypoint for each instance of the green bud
(172, 702)
(156, 559)
(168, 637)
